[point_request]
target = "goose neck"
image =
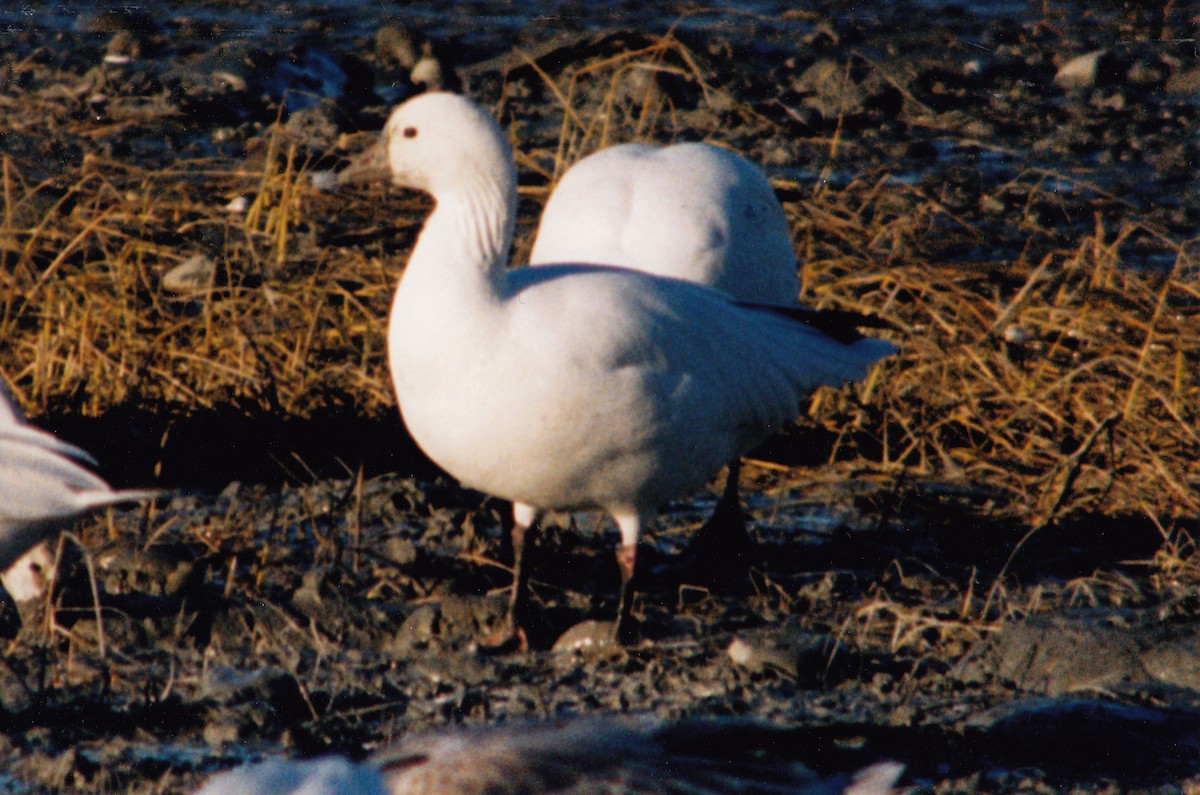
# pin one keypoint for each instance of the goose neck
(470, 229)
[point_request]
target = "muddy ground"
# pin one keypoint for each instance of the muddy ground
(314, 585)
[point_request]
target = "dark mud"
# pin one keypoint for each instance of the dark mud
(298, 597)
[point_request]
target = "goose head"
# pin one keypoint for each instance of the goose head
(438, 143)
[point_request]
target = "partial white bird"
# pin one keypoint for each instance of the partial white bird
(330, 775)
(575, 387)
(43, 487)
(10, 413)
(612, 755)
(688, 211)
(25, 578)
(601, 755)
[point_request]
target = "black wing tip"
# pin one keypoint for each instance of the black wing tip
(841, 325)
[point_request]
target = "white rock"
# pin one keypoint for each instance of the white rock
(323, 180)
(1082, 71)
(193, 275)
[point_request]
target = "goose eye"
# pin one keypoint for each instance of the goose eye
(410, 132)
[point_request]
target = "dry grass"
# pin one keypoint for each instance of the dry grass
(88, 324)
(1061, 376)
(1069, 381)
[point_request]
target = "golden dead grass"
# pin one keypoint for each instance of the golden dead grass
(87, 323)
(1071, 383)
(1076, 391)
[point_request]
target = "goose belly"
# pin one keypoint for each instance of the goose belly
(563, 448)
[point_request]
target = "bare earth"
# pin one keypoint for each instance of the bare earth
(998, 620)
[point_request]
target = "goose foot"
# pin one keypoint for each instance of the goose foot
(721, 550)
(511, 636)
(506, 640)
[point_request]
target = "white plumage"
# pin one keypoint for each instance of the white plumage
(330, 775)
(43, 485)
(688, 211)
(572, 386)
(599, 755)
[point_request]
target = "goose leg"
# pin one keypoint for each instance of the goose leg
(721, 549)
(511, 635)
(630, 525)
(627, 563)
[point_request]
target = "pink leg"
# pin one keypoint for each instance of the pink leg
(511, 636)
(630, 525)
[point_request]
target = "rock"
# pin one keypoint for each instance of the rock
(28, 578)
(261, 698)
(15, 694)
(809, 657)
(159, 570)
(417, 631)
(1056, 655)
(587, 637)
(323, 180)
(1096, 68)
(432, 73)
(1186, 81)
(1175, 661)
(401, 551)
(193, 275)
(1084, 652)
(316, 124)
(454, 622)
(828, 88)
(220, 732)
(1148, 74)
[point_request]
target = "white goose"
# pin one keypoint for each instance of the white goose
(687, 211)
(43, 487)
(596, 754)
(572, 387)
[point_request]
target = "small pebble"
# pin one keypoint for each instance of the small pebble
(586, 636)
(1016, 335)
(27, 579)
(324, 180)
(1081, 71)
(192, 275)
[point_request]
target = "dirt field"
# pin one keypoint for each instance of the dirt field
(981, 563)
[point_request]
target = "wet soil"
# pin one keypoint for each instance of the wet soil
(316, 586)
